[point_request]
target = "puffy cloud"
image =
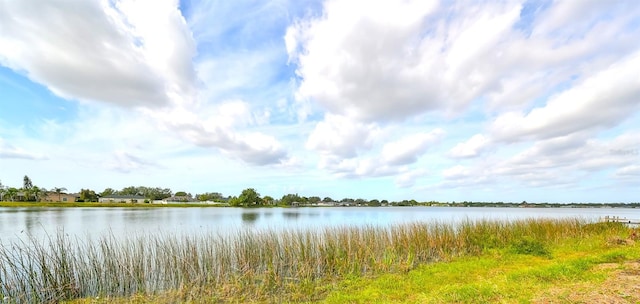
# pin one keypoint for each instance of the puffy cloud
(600, 101)
(407, 149)
(129, 53)
(629, 172)
(457, 171)
(228, 127)
(564, 161)
(126, 162)
(408, 179)
(390, 61)
(342, 136)
(8, 151)
(471, 148)
(352, 149)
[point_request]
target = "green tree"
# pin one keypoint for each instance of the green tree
(11, 193)
(268, 200)
(181, 193)
(249, 197)
(108, 191)
(234, 201)
(290, 199)
(131, 190)
(210, 196)
(327, 200)
(314, 200)
(87, 195)
(27, 184)
(2, 191)
(38, 192)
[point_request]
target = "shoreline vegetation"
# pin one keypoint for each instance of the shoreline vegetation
(31, 195)
(426, 204)
(475, 261)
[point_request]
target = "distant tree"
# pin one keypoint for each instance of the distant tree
(11, 192)
(384, 202)
(361, 202)
(156, 193)
(249, 197)
(26, 183)
(181, 193)
(289, 199)
(210, 196)
(131, 190)
(37, 193)
(87, 195)
(268, 200)
(327, 200)
(108, 191)
(160, 193)
(59, 191)
(234, 201)
(374, 203)
(2, 191)
(314, 199)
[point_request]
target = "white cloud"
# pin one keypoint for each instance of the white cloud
(534, 95)
(227, 126)
(457, 171)
(631, 171)
(9, 151)
(471, 148)
(356, 61)
(408, 179)
(126, 162)
(600, 101)
(129, 53)
(565, 161)
(407, 149)
(361, 59)
(342, 136)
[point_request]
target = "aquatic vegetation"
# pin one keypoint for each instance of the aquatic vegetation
(256, 264)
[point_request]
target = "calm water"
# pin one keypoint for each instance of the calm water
(19, 223)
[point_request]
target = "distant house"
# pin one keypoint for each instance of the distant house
(61, 197)
(122, 199)
(179, 199)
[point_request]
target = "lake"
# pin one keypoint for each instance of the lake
(18, 224)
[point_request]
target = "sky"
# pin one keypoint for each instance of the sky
(405, 99)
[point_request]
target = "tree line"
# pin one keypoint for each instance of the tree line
(247, 198)
(251, 198)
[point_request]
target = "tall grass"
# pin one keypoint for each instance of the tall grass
(254, 264)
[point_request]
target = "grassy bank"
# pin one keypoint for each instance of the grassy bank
(336, 265)
(82, 204)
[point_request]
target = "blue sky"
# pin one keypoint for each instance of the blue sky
(425, 100)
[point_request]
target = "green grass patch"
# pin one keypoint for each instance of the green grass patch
(518, 273)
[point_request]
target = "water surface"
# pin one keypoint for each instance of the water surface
(19, 223)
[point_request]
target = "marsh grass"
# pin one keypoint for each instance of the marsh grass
(290, 265)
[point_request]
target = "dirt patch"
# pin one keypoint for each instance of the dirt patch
(622, 286)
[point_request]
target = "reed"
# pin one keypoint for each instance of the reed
(252, 265)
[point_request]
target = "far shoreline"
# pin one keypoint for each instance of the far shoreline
(223, 205)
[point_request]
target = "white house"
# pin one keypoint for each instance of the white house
(122, 199)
